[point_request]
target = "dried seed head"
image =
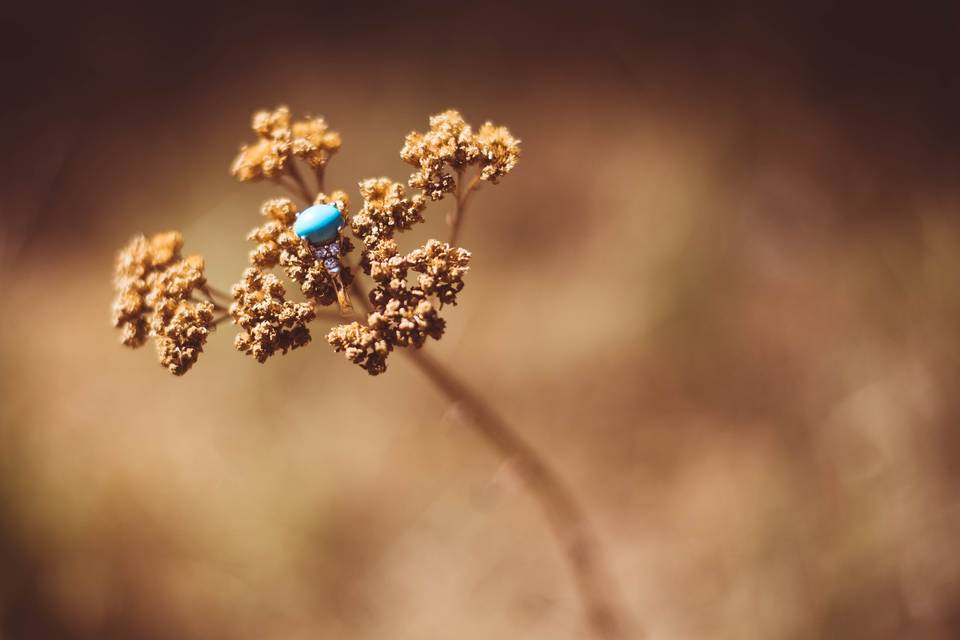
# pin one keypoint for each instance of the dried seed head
(362, 345)
(136, 268)
(269, 321)
(448, 143)
(180, 340)
(154, 286)
(441, 268)
(282, 210)
(385, 211)
(314, 142)
(272, 124)
(499, 152)
(266, 158)
(279, 140)
(177, 281)
(451, 145)
(404, 315)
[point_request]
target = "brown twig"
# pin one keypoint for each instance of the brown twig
(216, 305)
(564, 514)
(298, 178)
(217, 293)
(293, 189)
(319, 171)
(455, 219)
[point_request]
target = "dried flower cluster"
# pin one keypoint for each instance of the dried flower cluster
(404, 314)
(269, 321)
(279, 140)
(154, 288)
(449, 145)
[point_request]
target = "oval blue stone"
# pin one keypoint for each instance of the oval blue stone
(319, 223)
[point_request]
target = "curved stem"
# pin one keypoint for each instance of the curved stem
(462, 195)
(565, 515)
(216, 305)
(319, 171)
(294, 189)
(217, 293)
(298, 178)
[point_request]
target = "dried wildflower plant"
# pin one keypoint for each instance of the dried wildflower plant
(164, 296)
(407, 292)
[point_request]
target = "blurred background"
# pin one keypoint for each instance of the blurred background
(719, 293)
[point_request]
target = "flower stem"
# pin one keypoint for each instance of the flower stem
(319, 171)
(217, 293)
(455, 220)
(297, 178)
(565, 515)
(294, 189)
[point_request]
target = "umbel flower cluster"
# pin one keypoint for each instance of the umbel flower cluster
(156, 288)
(155, 299)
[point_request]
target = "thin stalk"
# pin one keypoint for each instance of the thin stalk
(462, 194)
(563, 512)
(216, 305)
(217, 293)
(294, 189)
(294, 173)
(319, 171)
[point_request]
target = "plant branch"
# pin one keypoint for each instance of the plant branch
(295, 190)
(565, 515)
(216, 305)
(462, 195)
(319, 171)
(210, 290)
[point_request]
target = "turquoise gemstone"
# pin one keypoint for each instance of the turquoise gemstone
(319, 223)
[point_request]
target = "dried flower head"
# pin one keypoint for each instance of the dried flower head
(441, 268)
(362, 345)
(385, 211)
(157, 288)
(136, 264)
(268, 156)
(279, 140)
(181, 337)
(153, 287)
(314, 142)
(269, 321)
(499, 151)
(449, 145)
(403, 315)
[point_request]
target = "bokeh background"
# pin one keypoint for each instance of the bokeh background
(719, 293)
